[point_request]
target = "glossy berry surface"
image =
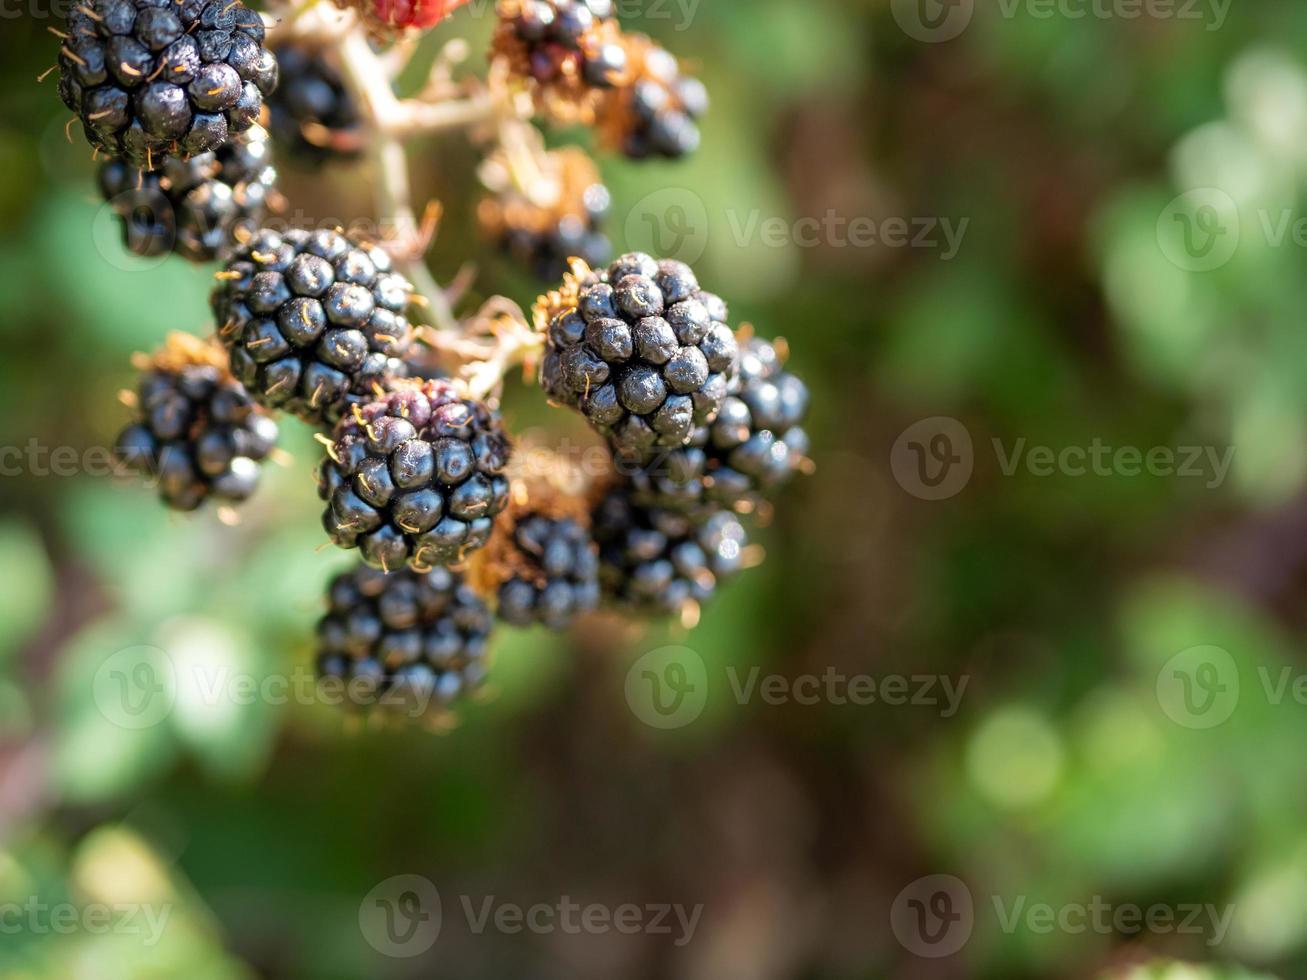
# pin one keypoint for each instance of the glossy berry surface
(644, 353)
(312, 115)
(198, 434)
(658, 114)
(151, 79)
(753, 447)
(564, 41)
(193, 207)
(403, 641)
(314, 321)
(415, 477)
(654, 560)
(558, 573)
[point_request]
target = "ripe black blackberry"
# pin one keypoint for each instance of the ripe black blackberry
(193, 207)
(752, 448)
(564, 45)
(197, 431)
(151, 79)
(544, 235)
(551, 571)
(656, 112)
(641, 350)
(312, 114)
(415, 477)
(405, 640)
(659, 561)
(314, 321)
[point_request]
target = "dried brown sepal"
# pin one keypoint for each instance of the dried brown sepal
(557, 301)
(182, 350)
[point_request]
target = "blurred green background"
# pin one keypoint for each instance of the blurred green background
(1128, 182)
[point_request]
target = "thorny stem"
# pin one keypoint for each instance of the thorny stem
(480, 364)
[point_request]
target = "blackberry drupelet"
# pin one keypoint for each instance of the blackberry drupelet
(544, 235)
(403, 640)
(562, 42)
(553, 574)
(641, 350)
(151, 79)
(415, 477)
(314, 321)
(659, 561)
(657, 112)
(753, 447)
(193, 207)
(197, 431)
(312, 114)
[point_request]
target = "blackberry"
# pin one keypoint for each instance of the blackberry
(657, 112)
(415, 477)
(567, 49)
(753, 447)
(552, 572)
(314, 321)
(192, 207)
(312, 114)
(151, 79)
(197, 431)
(641, 350)
(404, 639)
(544, 236)
(659, 561)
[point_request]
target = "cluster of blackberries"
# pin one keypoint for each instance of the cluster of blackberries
(544, 236)
(315, 321)
(312, 115)
(156, 78)
(657, 113)
(193, 207)
(405, 641)
(197, 432)
(415, 477)
(700, 426)
(643, 353)
(563, 44)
